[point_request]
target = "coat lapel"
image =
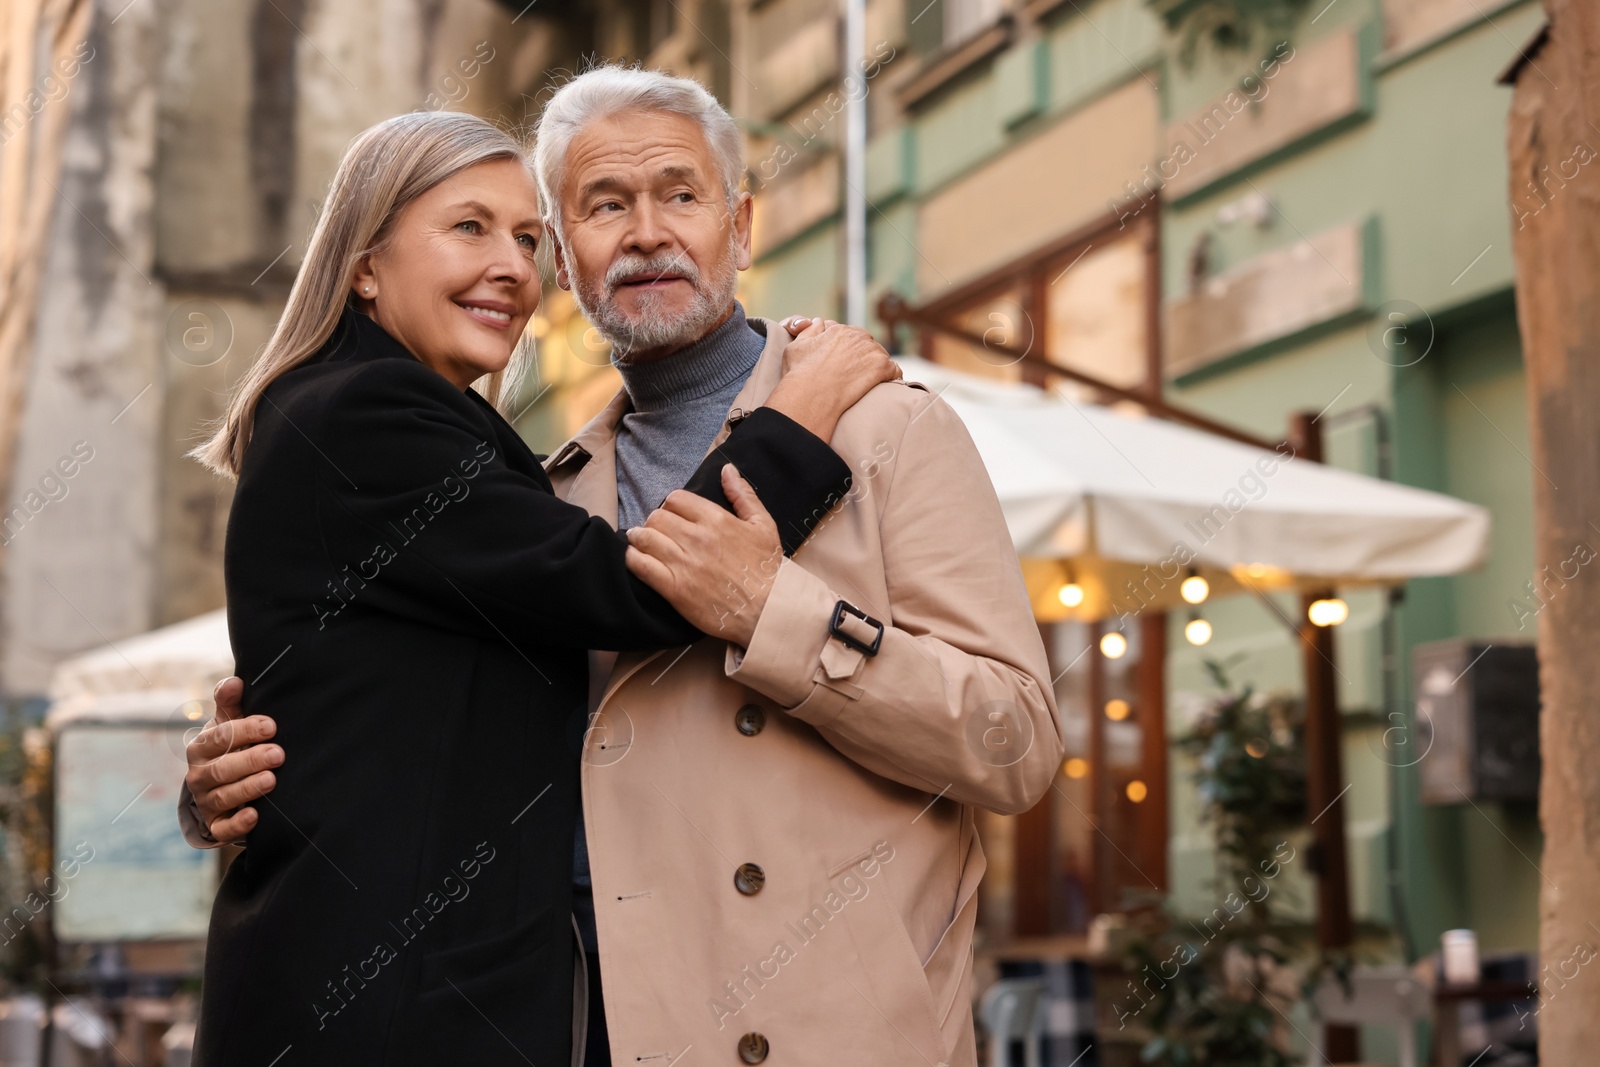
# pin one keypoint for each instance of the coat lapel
(762, 380)
(584, 472)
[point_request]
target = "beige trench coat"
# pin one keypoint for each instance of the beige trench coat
(782, 840)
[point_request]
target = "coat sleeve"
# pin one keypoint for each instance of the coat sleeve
(797, 476)
(958, 699)
(194, 830)
(423, 517)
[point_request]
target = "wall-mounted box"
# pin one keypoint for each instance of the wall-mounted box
(1273, 297)
(1477, 718)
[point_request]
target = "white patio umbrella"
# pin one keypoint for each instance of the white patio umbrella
(162, 669)
(1107, 498)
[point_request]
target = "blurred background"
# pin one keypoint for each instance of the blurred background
(1142, 245)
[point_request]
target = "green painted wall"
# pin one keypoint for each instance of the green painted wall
(802, 281)
(1429, 165)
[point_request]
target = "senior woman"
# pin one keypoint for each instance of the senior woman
(398, 569)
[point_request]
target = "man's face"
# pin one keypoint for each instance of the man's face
(651, 250)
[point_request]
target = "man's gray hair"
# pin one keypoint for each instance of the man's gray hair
(612, 88)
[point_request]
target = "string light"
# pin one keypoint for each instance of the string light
(1198, 631)
(1071, 593)
(1113, 645)
(1194, 589)
(1077, 767)
(1329, 612)
(1117, 710)
(1137, 791)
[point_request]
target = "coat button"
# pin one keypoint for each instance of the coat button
(749, 879)
(750, 720)
(753, 1048)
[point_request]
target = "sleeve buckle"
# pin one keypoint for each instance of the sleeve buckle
(843, 608)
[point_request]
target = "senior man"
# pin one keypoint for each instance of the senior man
(780, 859)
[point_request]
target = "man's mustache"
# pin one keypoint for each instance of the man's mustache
(677, 266)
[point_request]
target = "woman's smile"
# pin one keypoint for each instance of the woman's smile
(495, 314)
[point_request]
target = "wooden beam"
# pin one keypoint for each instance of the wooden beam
(1325, 783)
(893, 310)
(1151, 702)
(1034, 873)
(1101, 896)
(1155, 371)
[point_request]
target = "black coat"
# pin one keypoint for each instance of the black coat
(412, 604)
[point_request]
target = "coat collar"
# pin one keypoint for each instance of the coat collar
(357, 338)
(584, 470)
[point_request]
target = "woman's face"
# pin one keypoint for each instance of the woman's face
(456, 282)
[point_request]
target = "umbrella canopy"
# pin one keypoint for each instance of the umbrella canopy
(160, 669)
(1124, 505)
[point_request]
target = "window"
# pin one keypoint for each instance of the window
(1097, 842)
(1086, 303)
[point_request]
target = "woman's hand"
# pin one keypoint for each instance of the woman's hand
(826, 369)
(715, 568)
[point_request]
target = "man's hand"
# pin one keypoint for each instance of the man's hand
(715, 568)
(229, 766)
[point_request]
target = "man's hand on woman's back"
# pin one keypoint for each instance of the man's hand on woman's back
(229, 766)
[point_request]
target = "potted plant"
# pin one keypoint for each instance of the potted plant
(1217, 989)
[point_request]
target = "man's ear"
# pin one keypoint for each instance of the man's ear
(742, 214)
(563, 276)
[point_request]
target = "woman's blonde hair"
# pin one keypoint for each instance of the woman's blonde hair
(385, 168)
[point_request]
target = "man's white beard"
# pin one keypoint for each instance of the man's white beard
(653, 327)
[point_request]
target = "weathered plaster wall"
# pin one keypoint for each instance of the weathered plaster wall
(81, 569)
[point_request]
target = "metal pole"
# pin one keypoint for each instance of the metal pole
(855, 163)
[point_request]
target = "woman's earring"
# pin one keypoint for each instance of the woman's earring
(366, 288)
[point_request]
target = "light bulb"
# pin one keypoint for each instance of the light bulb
(1117, 710)
(1137, 791)
(1077, 767)
(1195, 589)
(1198, 631)
(1070, 595)
(1113, 645)
(1328, 612)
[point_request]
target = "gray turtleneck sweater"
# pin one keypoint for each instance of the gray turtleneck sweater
(679, 403)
